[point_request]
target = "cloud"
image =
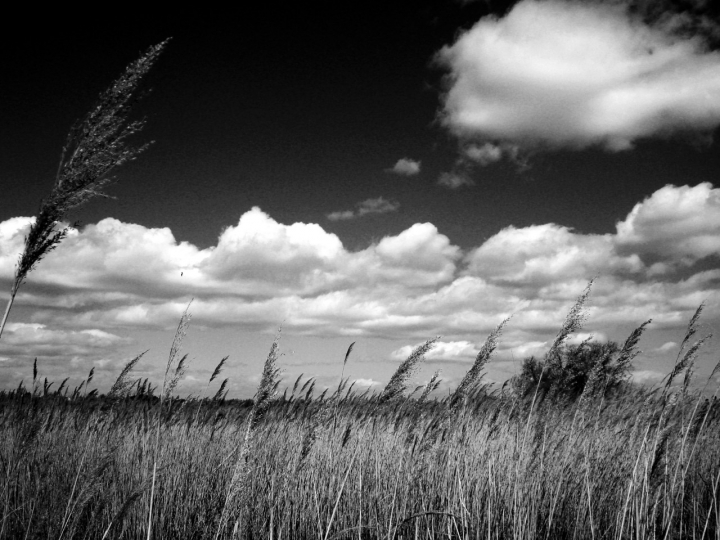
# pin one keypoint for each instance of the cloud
(563, 73)
(675, 225)
(113, 277)
(665, 347)
(540, 255)
(454, 180)
(376, 206)
(484, 155)
(646, 376)
(110, 256)
(420, 247)
(406, 167)
(260, 271)
(443, 350)
(580, 337)
(297, 257)
(365, 383)
(341, 215)
(32, 339)
(12, 240)
(368, 206)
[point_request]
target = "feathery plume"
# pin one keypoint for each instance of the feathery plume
(629, 350)
(94, 148)
(183, 325)
(219, 394)
(430, 387)
(573, 322)
(218, 369)
(122, 383)
(237, 492)
(683, 361)
(398, 382)
(473, 374)
(347, 354)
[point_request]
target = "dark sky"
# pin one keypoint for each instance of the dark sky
(299, 111)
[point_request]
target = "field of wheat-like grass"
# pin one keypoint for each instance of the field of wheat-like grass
(631, 463)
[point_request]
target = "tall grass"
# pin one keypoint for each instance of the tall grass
(632, 463)
(94, 148)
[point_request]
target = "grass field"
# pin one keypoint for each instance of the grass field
(631, 463)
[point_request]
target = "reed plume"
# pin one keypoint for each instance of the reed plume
(237, 492)
(398, 382)
(473, 375)
(93, 149)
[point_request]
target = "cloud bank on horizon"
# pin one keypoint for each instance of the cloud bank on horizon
(569, 74)
(661, 262)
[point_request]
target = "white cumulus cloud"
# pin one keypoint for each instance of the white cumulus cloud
(545, 254)
(406, 167)
(674, 224)
(484, 154)
(565, 73)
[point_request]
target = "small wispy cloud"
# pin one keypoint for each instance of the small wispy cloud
(646, 376)
(443, 350)
(453, 180)
(665, 347)
(365, 383)
(341, 215)
(368, 206)
(405, 167)
(484, 155)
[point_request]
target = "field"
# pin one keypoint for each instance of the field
(626, 462)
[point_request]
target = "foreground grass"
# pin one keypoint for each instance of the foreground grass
(539, 461)
(639, 465)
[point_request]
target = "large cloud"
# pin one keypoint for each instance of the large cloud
(259, 250)
(544, 254)
(118, 274)
(573, 74)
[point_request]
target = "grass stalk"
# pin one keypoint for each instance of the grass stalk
(94, 148)
(169, 383)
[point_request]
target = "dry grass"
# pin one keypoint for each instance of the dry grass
(636, 463)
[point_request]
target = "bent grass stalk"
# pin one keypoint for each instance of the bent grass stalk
(167, 387)
(93, 149)
(237, 490)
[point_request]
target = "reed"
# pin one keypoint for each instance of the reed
(636, 462)
(95, 147)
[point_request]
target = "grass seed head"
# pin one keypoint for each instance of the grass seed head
(398, 382)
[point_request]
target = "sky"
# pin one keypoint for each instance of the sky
(379, 173)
